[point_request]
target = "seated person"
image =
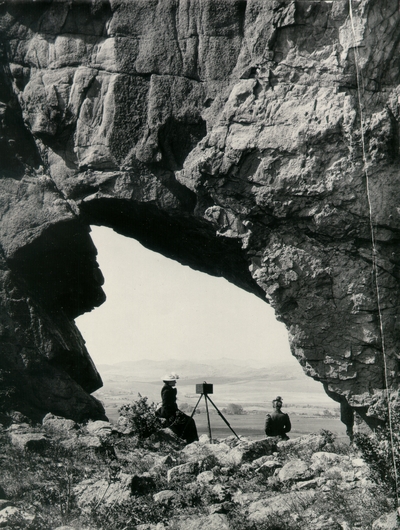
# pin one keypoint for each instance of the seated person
(182, 425)
(277, 423)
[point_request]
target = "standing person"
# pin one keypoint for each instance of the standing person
(182, 425)
(277, 423)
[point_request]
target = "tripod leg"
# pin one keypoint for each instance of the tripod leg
(222, 416)
(195, 407)
(193, 411)
(208, 418)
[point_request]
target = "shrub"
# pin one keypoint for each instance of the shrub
(380, 453)
(141, 416)
(233, 408)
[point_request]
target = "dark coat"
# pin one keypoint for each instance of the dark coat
(182, 425)
(277, 424)
(169, 406)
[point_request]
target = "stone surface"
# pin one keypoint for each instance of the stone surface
(205, 477)
(110, 492)
(261, 510)
(102, 429)
(294, 471)
(387, 522)
(231, 126)
(215, 521)
(190, 468)
(11, 513)
(302, 446)
(165, 496)
(31, 441)
(324, 461)
(58, 424)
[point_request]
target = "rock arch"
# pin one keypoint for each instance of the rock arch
(226, 135)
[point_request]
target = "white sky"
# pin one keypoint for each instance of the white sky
(158, 309)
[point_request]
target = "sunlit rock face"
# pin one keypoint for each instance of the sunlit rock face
(226, 134)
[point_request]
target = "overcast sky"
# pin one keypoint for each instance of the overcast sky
(158, 309)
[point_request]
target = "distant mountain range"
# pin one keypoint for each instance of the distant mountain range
(222, 368)
(246, 382)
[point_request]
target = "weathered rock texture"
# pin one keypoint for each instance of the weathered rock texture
(226, 134)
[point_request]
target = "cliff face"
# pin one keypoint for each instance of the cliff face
(242, 138)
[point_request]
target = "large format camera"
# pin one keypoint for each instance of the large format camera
(204, 388)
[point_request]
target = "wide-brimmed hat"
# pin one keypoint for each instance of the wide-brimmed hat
(170, 377)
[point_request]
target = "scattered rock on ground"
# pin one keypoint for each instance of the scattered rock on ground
(321, 461)
(261, 510)
(109, 493)
(58, 423)
(10, 514)
(387, 522)
(214, 521)
(32, 441)
(302, 446)
(190, 468)
(99, 428)
(295, 470)
(165, 496)
(248, 451)
(205, 477)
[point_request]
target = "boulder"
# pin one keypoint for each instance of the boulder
(387, 521)
(215, 521)
(165, 496)
(303, 446)
(205, 477)
(246, 498)
(82, 442)
(99, 428)
(260, 511)
(57, 423)
(32, 441)
(258, 462)
(250, 451)
(267, 467)
(11, 515)
(200, 450)
(295, 470)
(190, 468)
(321, 461)
(109, 493)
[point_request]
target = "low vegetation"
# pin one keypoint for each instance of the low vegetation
(99, 477)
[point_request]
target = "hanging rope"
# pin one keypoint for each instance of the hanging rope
(360, 80)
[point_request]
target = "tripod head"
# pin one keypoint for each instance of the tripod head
(204, 388)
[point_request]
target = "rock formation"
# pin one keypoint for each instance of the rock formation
(256, 140)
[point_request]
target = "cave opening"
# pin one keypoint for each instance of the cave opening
(163, 316)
